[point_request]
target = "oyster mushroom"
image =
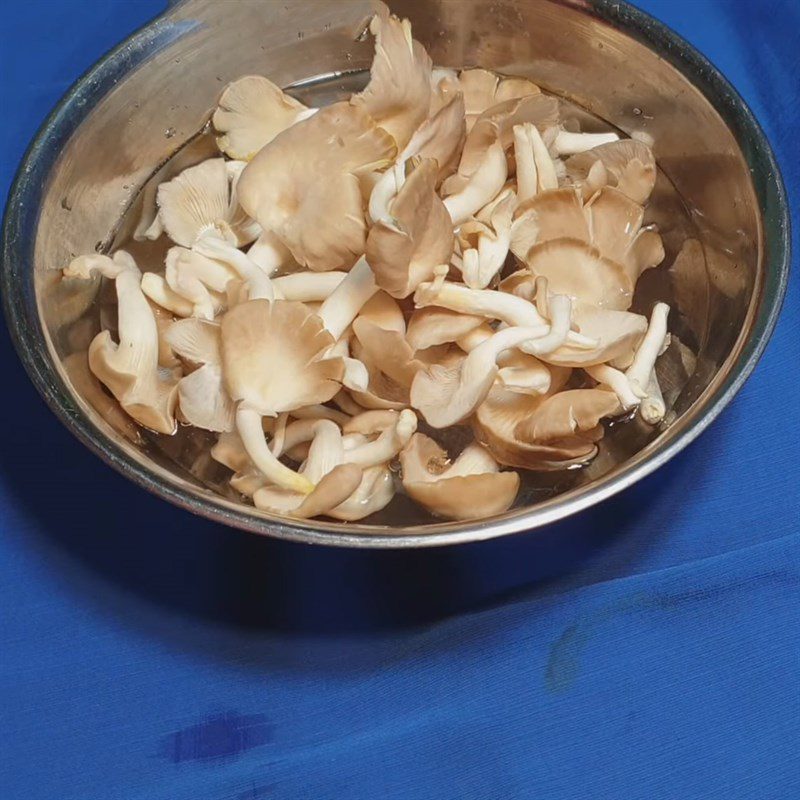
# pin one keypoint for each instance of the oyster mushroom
(333, 482)
(398, 95)
(641, 372)
(629, 165)
(484, 247)
(252, 111)
(483, 89)
(472, 487)
(566, 413)
(129, 368)
(568, 143)
(374, 492)
(202, 398)
(535, 169)
(304, 185)
(509, 309)
(440, 137)
(497, 421)
(200, 199)
(387, 445)
(273, 361)
(416, 236)
(447, 395)
(341, 307)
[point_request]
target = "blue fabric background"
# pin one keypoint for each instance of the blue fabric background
(648, 648)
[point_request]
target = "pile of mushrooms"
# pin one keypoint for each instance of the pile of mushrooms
(438, 250)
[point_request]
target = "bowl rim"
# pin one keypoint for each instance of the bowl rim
(89, 89)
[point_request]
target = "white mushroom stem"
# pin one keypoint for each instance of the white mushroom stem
(560, 312)
(90, 265)
(568, 143)
(259, 286)
(638, 373)
(652, 408)
(307, 287)
(481, 265)
(387, 445)
(343, 305)
(385, 190)
(279, 435)
(248, 424)
(535, 169)
(155, 287)
(483, 185)
(321, 412)
(508, 308)
(527, 174)
(617, 381)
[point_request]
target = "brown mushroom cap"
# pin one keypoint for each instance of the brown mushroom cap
(461, 496)
(272, 356)
(441, 137)
(576, 269)
(431, 326)
(252, 111)
(404, 251)
(566, 413)
(304, 185)
(398, 95)
(629, 165)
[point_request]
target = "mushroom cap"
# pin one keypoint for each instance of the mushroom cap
(203, 401)
(577, 269)
(198, 199)
(398, 95)
(629, 163)
(566, 413)
(383, 310)
(474, 491)
(497, 124)
(404, 251)
(273, 356)
(375, 492)
(195, 340)
(441, 137)
(304, 185)
(431, 326)
(388, 349)
(618, 334)
(252, 111)
(483, 89)
(495, 422)
(331, 490)
(553, 214)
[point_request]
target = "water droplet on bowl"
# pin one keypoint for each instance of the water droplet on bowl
(169, 133)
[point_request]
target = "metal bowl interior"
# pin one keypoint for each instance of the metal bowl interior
(145, 102)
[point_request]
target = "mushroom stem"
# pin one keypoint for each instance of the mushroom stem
(618, 383)
(538, 171)
(386, 189)
(568, 143)
(387, 445)
(560, 312)
(638, 373)
(527, 174)
(508, 308)
(307, 287)
(277, 445)
(653, 409)
(483, 185)
(258, 283)
(248, 424)
(347, 299)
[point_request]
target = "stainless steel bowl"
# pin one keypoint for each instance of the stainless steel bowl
(147, 100)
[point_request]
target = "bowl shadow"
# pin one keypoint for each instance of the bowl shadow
(129, 554)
